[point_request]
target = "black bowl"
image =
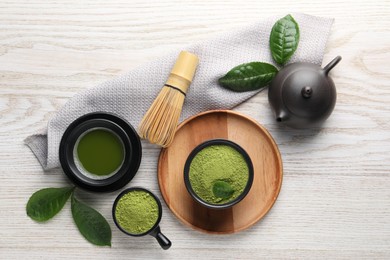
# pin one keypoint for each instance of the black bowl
(187, 171)
(155, 231)
(124, 131)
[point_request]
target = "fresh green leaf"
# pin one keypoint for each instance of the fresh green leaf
(222, 189)
(46, 203)
(284, 39)
(91, 224)
(248, 76)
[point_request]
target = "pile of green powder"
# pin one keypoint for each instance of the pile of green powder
(218, 163)
(136, 212)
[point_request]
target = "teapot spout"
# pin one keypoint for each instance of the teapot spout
(281, 116)
(331, 64)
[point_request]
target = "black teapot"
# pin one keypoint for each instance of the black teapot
(302, 94)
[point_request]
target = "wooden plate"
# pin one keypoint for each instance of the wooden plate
(242, 130)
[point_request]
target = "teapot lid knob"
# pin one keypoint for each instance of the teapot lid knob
(306, 92)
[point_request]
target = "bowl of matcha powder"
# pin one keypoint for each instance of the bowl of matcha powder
(137, 212)
(218, 173)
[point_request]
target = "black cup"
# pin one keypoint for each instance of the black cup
(123, 130)
(155, 231)
(187, 171)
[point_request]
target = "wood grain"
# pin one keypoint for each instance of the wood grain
(245, 132)
(335, 199)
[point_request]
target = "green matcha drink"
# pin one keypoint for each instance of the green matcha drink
(218, 174)
(99, 153)
(136, 212)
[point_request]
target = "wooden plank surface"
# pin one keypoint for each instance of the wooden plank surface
(335, 197)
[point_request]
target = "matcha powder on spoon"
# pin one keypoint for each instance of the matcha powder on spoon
(136, 212)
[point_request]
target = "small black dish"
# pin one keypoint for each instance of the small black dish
(123, 130)
(187, 171)
(155, 231)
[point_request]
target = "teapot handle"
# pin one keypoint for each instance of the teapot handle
(331, 64)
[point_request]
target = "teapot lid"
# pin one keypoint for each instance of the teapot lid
(307, 91)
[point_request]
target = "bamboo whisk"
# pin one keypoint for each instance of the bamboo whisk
(160, 121)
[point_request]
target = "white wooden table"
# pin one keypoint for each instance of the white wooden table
(335, 197)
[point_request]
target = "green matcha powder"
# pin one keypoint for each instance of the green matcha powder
(136, 212)
(218, 163)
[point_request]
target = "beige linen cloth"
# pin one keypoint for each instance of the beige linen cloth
(130, 95)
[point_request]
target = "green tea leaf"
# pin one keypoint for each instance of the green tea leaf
(222, 189)
(46, 203)
(284, 39)
(91, 224)
(248, 76)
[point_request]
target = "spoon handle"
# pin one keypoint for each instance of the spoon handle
(164, 242)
